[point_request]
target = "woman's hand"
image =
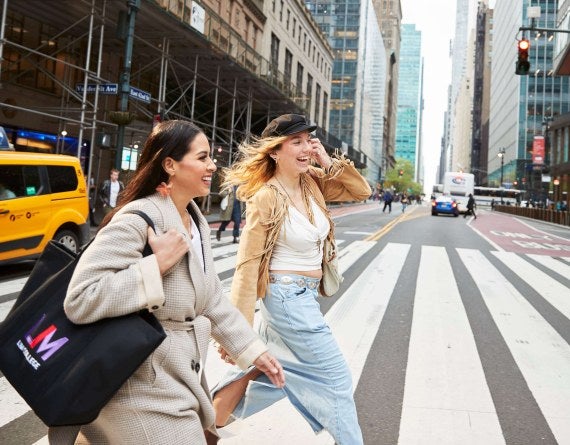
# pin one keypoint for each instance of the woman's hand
(168, 248)
(319, 154)
(272, 369)
(225, 356)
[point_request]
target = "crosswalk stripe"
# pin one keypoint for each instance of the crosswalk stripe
(553, 264)
(445, 386)
(554, 292)
(5, 308)
(351, 253)
(542, 356)
(12, 286)
(13, 405)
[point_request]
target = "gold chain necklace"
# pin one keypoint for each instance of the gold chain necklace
(318, 242)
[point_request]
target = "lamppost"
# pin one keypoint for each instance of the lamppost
(501, 155)
(556, 183)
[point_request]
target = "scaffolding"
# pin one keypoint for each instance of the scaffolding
(68, 68)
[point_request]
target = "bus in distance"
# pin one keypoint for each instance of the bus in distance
(485, 196)
(459, 185)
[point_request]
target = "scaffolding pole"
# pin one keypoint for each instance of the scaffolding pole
(125, 88)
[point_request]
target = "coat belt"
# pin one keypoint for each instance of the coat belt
(201, 327)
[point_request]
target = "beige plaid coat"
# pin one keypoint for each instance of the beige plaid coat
(167, 400)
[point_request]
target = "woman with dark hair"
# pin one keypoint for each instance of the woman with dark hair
(167, 399)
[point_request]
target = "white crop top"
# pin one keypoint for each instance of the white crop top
(300, 243)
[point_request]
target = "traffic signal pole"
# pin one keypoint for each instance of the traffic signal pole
(534, 28)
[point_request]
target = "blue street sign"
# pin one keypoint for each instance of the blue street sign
(104, 88)
(141, 95)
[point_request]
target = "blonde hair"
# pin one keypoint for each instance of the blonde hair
(254, 166)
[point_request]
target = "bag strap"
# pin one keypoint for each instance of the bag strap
(147, 249)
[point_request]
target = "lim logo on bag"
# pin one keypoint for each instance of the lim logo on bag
(41, 342)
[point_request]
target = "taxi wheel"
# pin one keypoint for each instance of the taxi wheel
(69, 239)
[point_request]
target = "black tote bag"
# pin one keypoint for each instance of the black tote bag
(68, 372)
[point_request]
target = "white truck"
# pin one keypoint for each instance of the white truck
(459, 185)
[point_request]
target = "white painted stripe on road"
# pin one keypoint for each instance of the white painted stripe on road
(446, 397)
(225, 249)
(352, 253)
(5, 308)
(356, 316)
(551, 290)
(354, 319)
(541, 354)
(13, 406)
(13, 286)
(225, 264)
(553, 264)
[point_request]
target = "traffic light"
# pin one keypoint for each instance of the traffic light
(523, 65)
(400, 172)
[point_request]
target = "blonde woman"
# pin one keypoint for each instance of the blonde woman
(282, 246)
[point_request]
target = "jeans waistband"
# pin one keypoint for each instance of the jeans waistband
(299, 280)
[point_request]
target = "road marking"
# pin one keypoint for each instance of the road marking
(13, 406)
(541, 354)
(13, 286)
(446, 397)
(552, 291)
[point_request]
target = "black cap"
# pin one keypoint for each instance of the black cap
(287, 124)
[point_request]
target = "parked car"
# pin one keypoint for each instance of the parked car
(42, 197)
(444, 204)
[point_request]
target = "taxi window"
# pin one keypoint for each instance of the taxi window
(62, 178)
(19, 181)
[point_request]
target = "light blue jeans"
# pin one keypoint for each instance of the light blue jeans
(317, 379)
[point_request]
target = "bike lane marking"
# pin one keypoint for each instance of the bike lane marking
(508, 233)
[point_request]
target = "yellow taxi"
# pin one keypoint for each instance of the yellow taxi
(42, 197)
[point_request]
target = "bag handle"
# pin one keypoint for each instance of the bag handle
(147, 251)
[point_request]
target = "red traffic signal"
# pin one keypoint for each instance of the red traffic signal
(522, 65)
(400, 172)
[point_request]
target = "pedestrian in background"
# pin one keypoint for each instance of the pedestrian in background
(109, 191)
(470, 207)
(166, 400)
(279, 260)
(232, 212)
(404, 201)
(388, 198)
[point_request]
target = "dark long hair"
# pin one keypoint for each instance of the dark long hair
(167, 139)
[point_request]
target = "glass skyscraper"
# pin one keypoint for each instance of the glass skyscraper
(522, 106)
(358, 76)
(409, 95)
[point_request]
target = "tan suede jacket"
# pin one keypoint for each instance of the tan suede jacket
(265, 213)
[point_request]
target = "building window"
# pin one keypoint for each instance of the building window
(274, 53)
(288, 20)
(299, 79)
(317, 102)
(325, 109)
(288, 68)
(309, 91)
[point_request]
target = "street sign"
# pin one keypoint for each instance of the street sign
(104, 88)
(141, 95)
